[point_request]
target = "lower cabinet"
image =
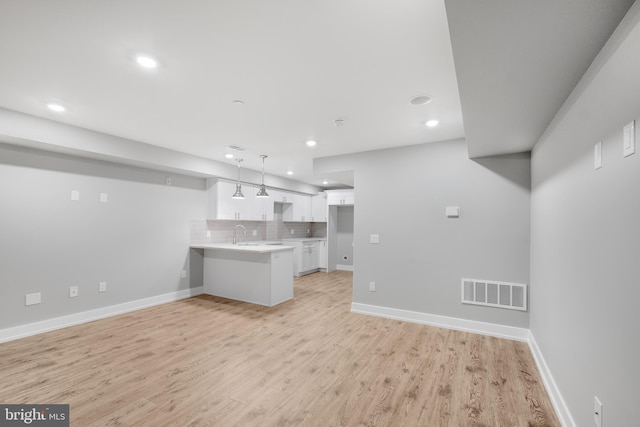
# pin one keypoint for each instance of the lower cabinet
(322, 255)
(308, 256)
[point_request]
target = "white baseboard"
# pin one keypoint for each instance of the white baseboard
(344, 267)
(562, 411)
(501, 331)
(13, 333)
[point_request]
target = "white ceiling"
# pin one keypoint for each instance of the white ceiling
(298, 65)
(518, 61)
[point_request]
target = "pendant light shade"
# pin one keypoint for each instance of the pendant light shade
(262, 192)
(238, 194)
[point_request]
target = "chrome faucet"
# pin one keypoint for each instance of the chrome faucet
(236, 229)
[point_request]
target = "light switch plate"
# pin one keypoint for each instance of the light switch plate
(75, 195)
(629, 139)
(453, 212)
(102, 287)
(73, 291)
(374, 238)
(104, 198)
(32, 299)
(183, 274)
(597, 155)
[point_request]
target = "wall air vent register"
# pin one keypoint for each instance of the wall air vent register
(492, 293)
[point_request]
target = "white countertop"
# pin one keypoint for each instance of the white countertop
(247, 247)
(304, 239)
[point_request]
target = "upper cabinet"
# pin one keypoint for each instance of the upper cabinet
(220, 204)
(297, 207)
(340, 197)
(263, 207)
(319, 208)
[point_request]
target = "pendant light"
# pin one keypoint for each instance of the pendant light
(238, 194)
(262, 192)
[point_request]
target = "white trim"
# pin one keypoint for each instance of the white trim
(344, 267)
(562, 410)
(13, 333)
(492, 329)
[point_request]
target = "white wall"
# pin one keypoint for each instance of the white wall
(138, 242)
(401, 194)
(585, 239)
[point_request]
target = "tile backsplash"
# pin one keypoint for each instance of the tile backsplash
(221, 231)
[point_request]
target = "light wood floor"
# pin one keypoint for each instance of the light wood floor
(308, 362)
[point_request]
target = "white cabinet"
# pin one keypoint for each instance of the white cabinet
(340, 197)
(305, 256)
(263, 207)
(307, 215)
(281, 196)
(319, 208)
(310, 256)
(295, 207)
(220, 204)
(322, 254)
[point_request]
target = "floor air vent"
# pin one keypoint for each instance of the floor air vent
(494, 294)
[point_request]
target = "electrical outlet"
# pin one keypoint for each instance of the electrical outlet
(32, 299)
(372, 286)
(254, 232)
(183, 274)
(104, 197)
(597, 411)
(102, 287)
(73, 291)
(293, 231)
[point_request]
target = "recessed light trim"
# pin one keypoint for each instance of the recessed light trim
(289, 172)
(421, 100)
(432, 123)
(228, 156)
(58, 108)
(325, 182)
(146, 62)
(311, 143)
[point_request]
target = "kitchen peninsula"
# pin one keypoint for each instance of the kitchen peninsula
(256, 273)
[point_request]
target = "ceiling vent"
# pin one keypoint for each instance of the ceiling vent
(235, 147)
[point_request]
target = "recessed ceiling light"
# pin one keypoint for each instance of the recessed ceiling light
(56, 107)
(311, 143)
(146, 62)
(338, 122)
(432, 123)
(229, 156)
(325, 182)
(289, 172)
(238, 102)
(421, 100)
